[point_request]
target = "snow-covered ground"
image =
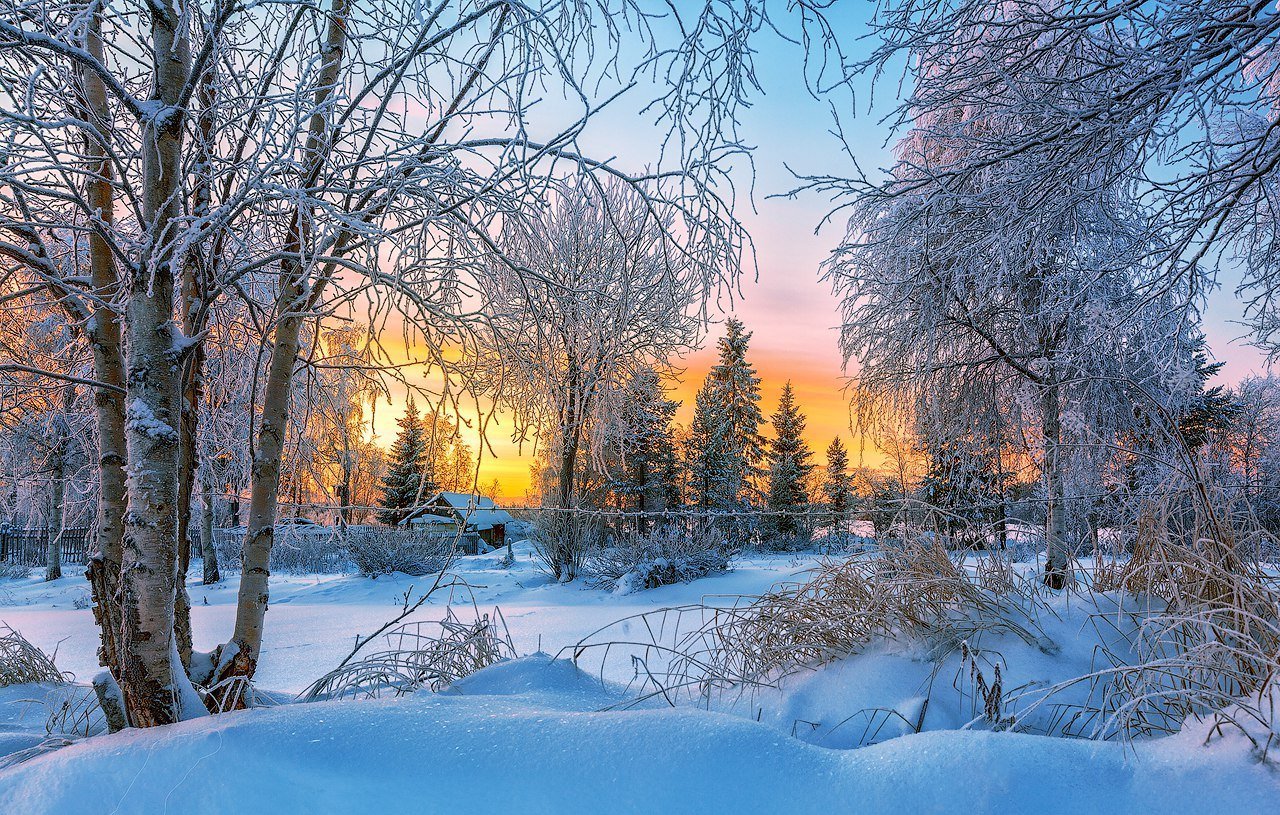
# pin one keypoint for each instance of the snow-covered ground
(543, 735)
(313, 620)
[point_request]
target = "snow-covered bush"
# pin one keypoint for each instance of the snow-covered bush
(13, 570)
(665, 555)
(376, 551)
(563, 540)
(842, 542)
(775, 542)
(298, 549)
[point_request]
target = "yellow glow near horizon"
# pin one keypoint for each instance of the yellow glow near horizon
(818, 387)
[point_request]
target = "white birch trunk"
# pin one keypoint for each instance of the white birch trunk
(154, 692)
(292, 300)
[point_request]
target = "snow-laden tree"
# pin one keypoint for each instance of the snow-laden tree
(725, 451)
(963, 486)
(955, 299)
(608, 293)
(1183, 94)
(788, 465)
(45, 432)
(310, 159)
(642, 459)
(1250, 446)
(406, 485)
(709, 462)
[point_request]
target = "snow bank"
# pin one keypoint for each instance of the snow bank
(519, 737)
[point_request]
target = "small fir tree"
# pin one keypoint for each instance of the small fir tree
(837, 487)
(725, 450)
(406, 484)
(789, 465)
(964, 484)
(644, 476)
(709, 461)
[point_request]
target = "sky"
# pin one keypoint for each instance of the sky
(793, 315)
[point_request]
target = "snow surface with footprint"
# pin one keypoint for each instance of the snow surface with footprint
(539, 734)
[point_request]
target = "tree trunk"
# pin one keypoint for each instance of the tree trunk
(197, 274)
(155, 687)
(563, 568)
(1057, 567)
(344, 493)
(208, 552)
(104, 338)
(255, 557)
(292, 300)
(58, 479)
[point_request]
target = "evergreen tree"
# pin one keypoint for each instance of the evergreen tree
(406, 484)
(837, 487)
(963, 483)
(789, 465)
(725, 449)
(644, 478)
(707, 454)
(1209, 409)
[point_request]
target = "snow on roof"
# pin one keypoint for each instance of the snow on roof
(479, 511)
(425, 517)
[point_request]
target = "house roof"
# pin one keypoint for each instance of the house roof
(424, 516)
(477, 511)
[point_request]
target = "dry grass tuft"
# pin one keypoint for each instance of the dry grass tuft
(419, 656)
(1208, 634)
(916, 592)
(22, 663)
(75, 714)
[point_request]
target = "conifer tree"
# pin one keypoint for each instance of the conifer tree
(964, 484)
(789, 465)
(837, 487)
(707, 453)
(725, 449)
(645, 475)
(406, 484)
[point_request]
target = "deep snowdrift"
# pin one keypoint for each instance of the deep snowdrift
(519, 737)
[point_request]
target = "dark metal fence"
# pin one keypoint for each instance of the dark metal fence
(30, 547)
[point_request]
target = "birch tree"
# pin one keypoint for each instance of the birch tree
(954, 295)
(350, 156)
(608, 294)
(1182, 94)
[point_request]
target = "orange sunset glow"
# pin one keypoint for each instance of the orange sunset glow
(816, 377)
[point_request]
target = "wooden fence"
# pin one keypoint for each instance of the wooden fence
(30, 547)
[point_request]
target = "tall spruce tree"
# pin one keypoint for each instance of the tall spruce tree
(837, 486)
(406, 484)
(727, 417)
(708, 459)
(789, 465)
(644, 476)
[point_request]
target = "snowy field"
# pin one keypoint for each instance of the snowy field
(540, 735)
(313, 620)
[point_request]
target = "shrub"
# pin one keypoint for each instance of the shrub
(376, 551)
(564, 540)
(13, 570)
(296, 550)
(665, 555)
